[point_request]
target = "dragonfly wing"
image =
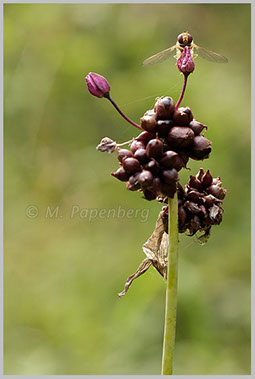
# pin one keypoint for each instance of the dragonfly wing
(210, 55)
(160, 57)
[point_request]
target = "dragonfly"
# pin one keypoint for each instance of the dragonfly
(185, 39)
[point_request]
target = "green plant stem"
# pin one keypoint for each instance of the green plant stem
(171, 290)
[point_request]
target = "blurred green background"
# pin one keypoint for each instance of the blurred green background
(62, 274)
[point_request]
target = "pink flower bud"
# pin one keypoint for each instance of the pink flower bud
(185, 63)
(97, 85)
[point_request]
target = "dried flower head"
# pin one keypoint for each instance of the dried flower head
(107, 145)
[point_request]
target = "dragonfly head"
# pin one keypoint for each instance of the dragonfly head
(184, 39)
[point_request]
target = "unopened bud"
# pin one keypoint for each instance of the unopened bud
(185, 63)
(97, 85)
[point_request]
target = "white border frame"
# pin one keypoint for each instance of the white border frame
(252, 2)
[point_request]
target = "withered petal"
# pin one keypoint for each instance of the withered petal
(143, 267)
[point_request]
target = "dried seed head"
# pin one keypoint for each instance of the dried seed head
(107, 145)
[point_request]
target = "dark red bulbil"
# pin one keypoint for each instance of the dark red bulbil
(131, 165)
(198, 209)
(164, 108)
(182, 116)
(200, 148)
(180, 137)
(148, 123)
(155, 148)
(123, 154)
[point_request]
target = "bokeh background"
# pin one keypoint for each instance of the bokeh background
(62, 274)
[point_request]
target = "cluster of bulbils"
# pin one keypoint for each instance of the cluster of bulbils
(199, 204)
(171, 136)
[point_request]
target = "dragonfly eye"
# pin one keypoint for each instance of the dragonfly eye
(184, 39)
